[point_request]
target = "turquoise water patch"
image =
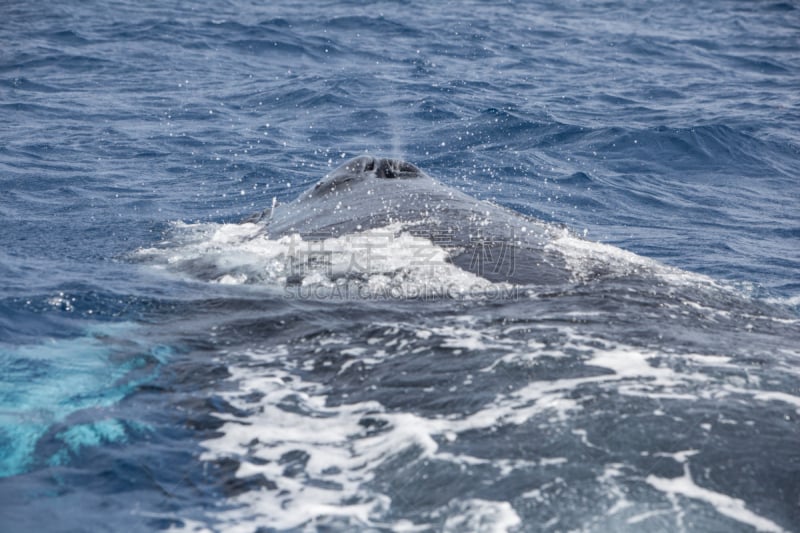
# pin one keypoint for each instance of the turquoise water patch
(44, 384)
(80, 436)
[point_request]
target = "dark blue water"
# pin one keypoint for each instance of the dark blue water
(139, 392)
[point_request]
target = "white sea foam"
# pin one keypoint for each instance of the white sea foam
(380, 262)
(338, 481)
(788, 301)
(293, 418)
(586, 259)
(731, 507)
(481, 515)
(342, 458)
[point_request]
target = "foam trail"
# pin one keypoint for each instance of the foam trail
(723, 504)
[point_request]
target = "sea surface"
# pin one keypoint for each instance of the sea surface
(159, 370)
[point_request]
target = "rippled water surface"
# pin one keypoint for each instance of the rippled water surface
(164, 366)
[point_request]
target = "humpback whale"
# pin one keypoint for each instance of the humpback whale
(367, 192)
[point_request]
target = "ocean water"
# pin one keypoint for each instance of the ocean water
(159, 370)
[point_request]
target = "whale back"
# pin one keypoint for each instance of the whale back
(367, 193)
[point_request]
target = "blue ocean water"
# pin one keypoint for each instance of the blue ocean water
(137, 396)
